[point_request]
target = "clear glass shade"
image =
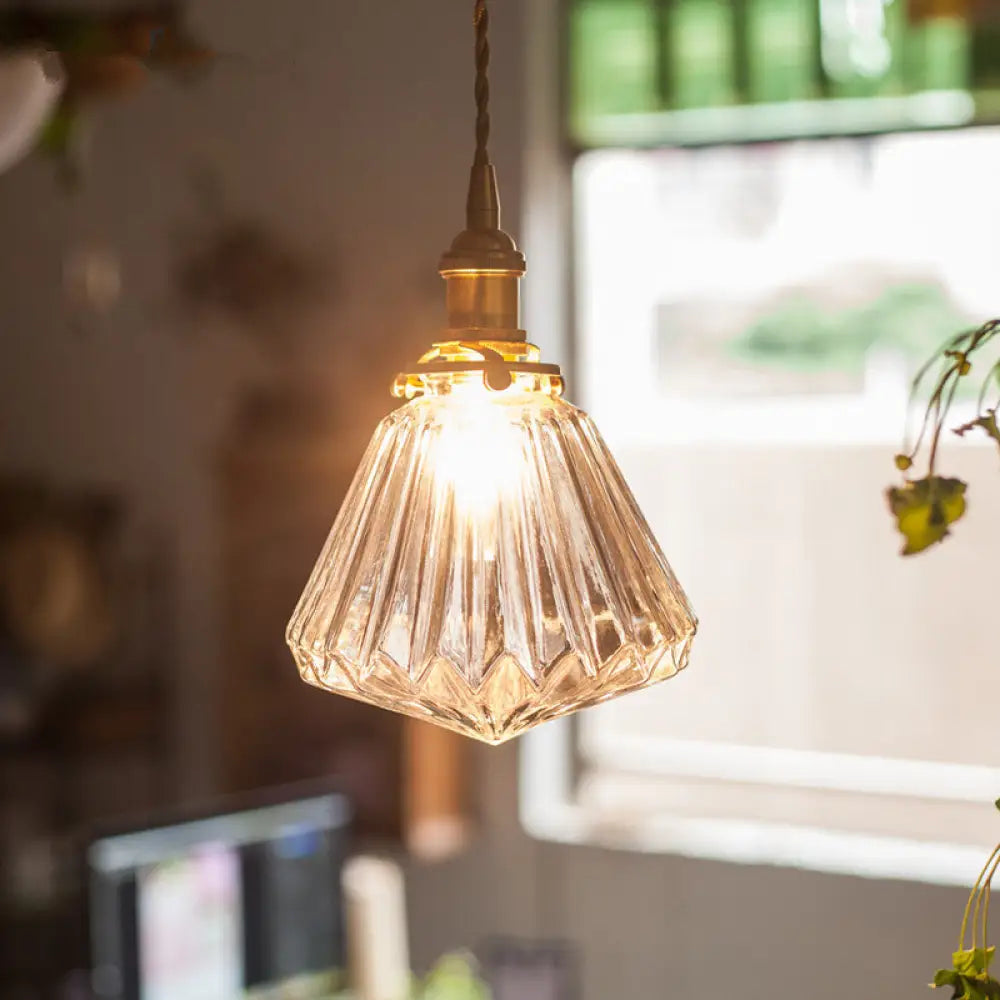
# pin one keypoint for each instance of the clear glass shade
(489, 569)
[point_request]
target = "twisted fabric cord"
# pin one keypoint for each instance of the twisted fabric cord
(482, 24)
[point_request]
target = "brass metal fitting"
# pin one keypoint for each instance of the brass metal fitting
(482, 270)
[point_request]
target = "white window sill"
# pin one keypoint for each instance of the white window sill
(549, 811)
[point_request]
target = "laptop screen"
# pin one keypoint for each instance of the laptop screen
(227, 906)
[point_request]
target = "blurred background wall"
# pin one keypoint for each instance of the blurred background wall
(346, 128)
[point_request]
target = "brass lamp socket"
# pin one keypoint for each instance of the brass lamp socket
(485, 301)
(483, 266)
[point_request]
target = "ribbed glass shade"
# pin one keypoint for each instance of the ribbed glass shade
(489, 569)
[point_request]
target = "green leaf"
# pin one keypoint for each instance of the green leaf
(973, 961)
(990, 986)
(997, 804)
(980, 987)
(925, 509)
(987, 422)
(972, 988)
(969, 979)
(455, 977)
(946, 977)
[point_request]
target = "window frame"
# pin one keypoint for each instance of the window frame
(549, 769)
(551, 759)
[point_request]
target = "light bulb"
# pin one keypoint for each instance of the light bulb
(476, 454)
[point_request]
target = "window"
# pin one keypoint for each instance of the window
(747, 321)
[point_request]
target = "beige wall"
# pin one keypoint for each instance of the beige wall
(347, 124)
(651, 926)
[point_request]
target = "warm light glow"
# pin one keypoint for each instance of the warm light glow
(489, 569)
(476, 452)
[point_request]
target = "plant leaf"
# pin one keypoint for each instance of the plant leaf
(969, 978)
(990, 986)
(454, 977)
(981, 987)
(975, 987)
(973, 961)
(925, 509)
(946, 977)
(972, 988)
(987, 422)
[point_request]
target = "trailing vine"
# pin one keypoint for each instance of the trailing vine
(926, 508)
(969, 975)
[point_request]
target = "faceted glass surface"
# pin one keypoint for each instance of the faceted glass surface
(489, 569)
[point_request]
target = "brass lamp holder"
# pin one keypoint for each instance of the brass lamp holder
(482, 270)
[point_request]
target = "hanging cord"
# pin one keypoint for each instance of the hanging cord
(482, 265)
(482, 24)
(483, 212)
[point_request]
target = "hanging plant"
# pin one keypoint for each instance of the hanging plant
(925, 508)
(100, 55)
(969, 975)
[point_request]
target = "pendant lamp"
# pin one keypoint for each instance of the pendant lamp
(489, 569)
